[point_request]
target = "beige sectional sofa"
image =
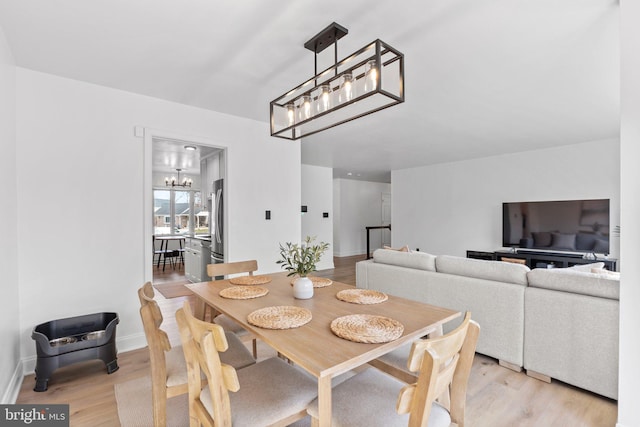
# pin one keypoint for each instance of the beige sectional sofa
(558, 323)
(571, 328)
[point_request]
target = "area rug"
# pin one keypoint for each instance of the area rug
(173, 290)
(135, 408)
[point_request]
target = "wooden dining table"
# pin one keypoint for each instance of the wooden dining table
(313, 346)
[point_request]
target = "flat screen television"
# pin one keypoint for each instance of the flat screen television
(566, 225)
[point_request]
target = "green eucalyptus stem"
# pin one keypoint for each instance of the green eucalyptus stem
(301, 259)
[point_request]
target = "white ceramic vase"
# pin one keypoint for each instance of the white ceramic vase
(303, 288)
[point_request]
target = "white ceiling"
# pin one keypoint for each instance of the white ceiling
(483, 77)
(170, 155)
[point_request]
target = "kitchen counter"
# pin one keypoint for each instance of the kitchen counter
(197, 257)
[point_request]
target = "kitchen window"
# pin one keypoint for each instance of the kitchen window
(179, 212)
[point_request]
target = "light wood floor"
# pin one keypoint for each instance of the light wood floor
(497, 397)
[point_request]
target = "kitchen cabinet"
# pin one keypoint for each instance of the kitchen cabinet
(197, 256)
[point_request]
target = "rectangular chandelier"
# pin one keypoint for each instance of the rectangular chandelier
(369, 80)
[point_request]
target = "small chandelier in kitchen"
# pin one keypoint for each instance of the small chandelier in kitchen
(366, 81)
(173, 182)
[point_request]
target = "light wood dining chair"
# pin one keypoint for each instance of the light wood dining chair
(269, 393)
(443, 365)
(222, 270)
(168, 367)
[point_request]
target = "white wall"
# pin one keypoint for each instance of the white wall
(360, 206)
(317, 195)
(450, 208)
(9, 328)
(337, 207)
(80, 210)
(628, 409)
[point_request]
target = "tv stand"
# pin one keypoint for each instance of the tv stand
(542, 259)
(536, 253)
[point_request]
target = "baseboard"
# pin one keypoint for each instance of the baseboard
(127, 343)
(131, 342)
(13, 389)
(325, 265)
(351, 253)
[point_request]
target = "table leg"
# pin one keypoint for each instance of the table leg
(160, 253)
(324, 401)
(199, 309)
(164, 247)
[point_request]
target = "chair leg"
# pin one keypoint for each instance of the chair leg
(255, 348)
(159, 400)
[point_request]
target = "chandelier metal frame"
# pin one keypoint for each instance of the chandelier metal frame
(369, 80)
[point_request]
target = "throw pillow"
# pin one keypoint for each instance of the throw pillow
(405, 248)
(588, 267)
(514, 260)
(607, 273)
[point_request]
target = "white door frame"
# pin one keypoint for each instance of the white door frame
(147, 191)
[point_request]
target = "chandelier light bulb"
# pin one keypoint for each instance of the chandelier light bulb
(324, 99)
(305, 108)
(291, 114)
(370, 76)
(346, 88)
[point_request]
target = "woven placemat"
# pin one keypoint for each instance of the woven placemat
(362, 296)
(244, 292)
(367, 328)
(280, 317)
(250, 280)
(318, 282)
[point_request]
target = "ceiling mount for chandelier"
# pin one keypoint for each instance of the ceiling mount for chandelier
(366, 81)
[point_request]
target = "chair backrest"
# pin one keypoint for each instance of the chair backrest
(151, 320)
(158, 342)
(201, 342)
(443, 365)
(226, 268)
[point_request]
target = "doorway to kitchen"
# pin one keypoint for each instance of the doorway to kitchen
(179, 175)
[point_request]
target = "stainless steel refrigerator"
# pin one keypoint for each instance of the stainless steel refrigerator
(216, 214)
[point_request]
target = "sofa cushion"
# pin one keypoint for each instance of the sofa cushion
(417, 260)
(575, 281)
(489, 270)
